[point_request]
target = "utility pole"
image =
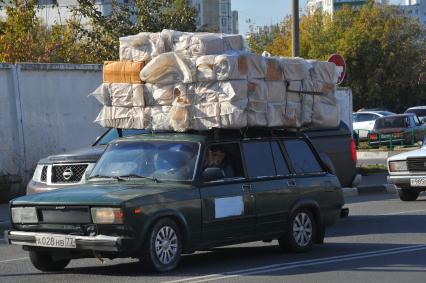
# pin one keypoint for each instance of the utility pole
(295, 32)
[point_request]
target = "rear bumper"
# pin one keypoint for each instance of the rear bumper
(93, 243)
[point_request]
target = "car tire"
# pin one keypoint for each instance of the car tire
(43, 261)
(408, 194)
(301, 232)
(162, 249)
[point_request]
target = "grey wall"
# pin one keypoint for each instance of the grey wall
(44, 110)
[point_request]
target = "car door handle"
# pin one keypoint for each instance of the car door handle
(291, 183)
(246, 188)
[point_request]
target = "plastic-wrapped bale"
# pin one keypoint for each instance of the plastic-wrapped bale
(122, 72)
(156, 95)
(160, 117)
(256, 65)
(203, 92)
(124, 117)
(124, 95)
(204, 116)
(295, 71)
(197, 44)
(180, 114)
(233, 103)
(276, 97)
(273, 70)
(205, 68)
(325, 111)
(165, 69)
(257, 103)
(141, 47)
(231, 66)
(292, 110)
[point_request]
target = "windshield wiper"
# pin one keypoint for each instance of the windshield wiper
(118, 178)
(139, 176)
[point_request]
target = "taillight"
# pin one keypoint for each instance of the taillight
(373, 136)
(353, 150)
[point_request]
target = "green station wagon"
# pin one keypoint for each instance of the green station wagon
(157, 196)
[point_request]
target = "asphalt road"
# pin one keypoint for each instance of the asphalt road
(383, 240)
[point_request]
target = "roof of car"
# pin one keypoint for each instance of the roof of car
(397, 115)
(416, 107)
(374, 112)
(211, 135)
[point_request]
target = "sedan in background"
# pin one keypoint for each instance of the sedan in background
(400, 129)
(408, 172)
(363, 122)
(420, 111)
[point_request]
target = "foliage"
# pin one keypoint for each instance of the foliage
(385, 52)
(89, 36)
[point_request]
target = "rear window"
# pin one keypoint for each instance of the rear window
(302, 158)
(391, 122)
(418, 112)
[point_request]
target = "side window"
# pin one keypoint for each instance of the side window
(280, 163)
(227, 157)
(355, 117)
(259, 159)
(301, 156)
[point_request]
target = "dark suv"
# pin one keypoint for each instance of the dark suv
(154, 197)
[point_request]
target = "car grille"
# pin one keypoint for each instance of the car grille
(44, 174)
(68, 173)
(416, 164)
(64, 214)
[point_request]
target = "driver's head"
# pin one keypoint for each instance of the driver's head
(215, 156)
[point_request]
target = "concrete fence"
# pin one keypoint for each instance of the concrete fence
(44, 110)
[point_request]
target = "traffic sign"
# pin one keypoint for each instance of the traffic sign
(338, 60)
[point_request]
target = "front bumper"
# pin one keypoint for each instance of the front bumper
(93, 243)
(404, 181)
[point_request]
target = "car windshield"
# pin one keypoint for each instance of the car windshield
(391, 122)
(113, 134)
(157, 160)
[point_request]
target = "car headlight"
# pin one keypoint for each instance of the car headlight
(397, 166)
(107, 215)
(24, 215)
(38, 172)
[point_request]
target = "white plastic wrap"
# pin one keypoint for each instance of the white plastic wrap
(233, 115)
(230, 67)
(141, 47)
(256, 66)
(205, 68)
(160, 118)
(257, 103)
(205, 116)
(157, 95)
(124, 117)
(292, 111)
(326, 112)
(120, 94)
(165, 69)
(179, 114)
(294, 69)
(234, 90)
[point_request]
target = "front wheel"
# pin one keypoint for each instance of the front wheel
(408, 194)
(301, 232)
(42, 260)
(163, 246)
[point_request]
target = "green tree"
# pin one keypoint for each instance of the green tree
(385, 52)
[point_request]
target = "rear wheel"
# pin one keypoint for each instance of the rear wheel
(42, 260)
(301, 232)
(408, 194)
(163, 246)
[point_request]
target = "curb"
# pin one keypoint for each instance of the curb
(366, 190)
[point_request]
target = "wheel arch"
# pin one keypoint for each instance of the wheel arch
(314, 207)
(180, 221)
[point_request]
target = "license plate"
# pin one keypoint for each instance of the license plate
(66, 242)
(418, 182)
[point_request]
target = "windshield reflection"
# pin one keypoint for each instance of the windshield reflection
(154, 160)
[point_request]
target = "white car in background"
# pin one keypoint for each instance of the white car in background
(420, 111)
(407, 171)
(363, 122)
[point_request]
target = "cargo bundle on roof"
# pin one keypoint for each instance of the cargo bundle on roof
(180, 81)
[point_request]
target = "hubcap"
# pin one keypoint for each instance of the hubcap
(166, 245)
(302, 229)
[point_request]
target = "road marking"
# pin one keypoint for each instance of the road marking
(15, 259)
(291, 265)
(402, 212)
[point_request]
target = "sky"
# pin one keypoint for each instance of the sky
(267, 12)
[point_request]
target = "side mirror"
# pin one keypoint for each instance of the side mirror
(212, 174)
(97, 139)
(423, 120)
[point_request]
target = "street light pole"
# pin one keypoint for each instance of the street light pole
(295, 33)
